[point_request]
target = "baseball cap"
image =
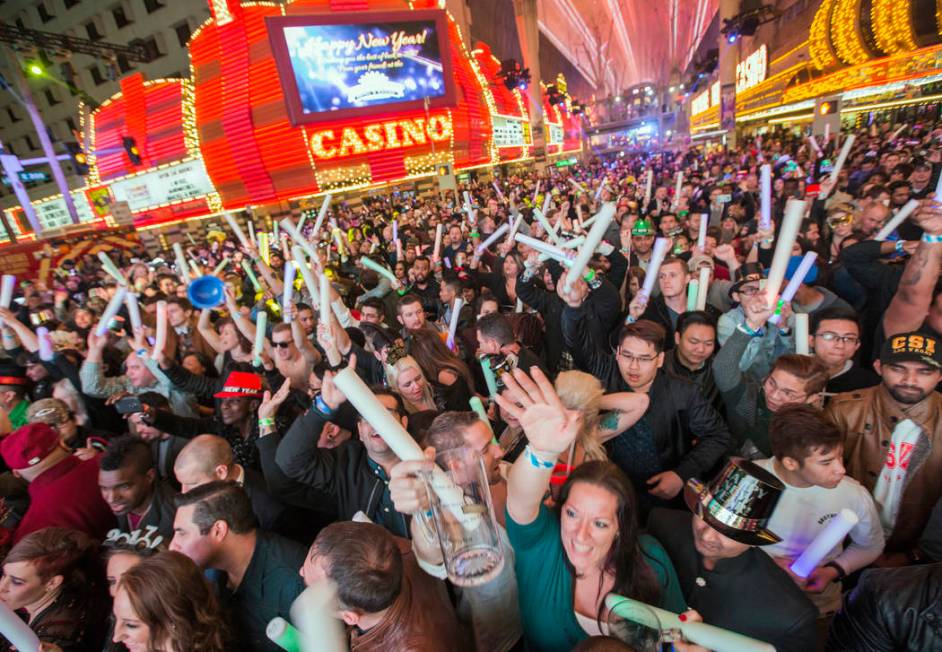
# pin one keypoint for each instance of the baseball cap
(912, 347)
(696, 261)
(642, 227)
(239, 384)
(29, 445)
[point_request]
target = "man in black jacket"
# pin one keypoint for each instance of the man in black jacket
(356, 473)
(680, 435)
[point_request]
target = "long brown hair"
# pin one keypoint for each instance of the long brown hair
(169, 594)
(433, 356)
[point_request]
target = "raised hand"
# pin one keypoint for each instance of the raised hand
(271, 402)
(549, 425)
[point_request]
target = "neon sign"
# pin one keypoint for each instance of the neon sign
(752, 70)
(380, 136)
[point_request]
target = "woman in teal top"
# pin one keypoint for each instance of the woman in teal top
(568, 560)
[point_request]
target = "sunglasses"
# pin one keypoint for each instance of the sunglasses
(281, 345)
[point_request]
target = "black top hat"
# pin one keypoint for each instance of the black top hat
(738, 503)
(748, 273)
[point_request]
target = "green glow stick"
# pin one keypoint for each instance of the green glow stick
(283, 634)
(247, 268)
(489, 378)
(477, 406)
(221, 266)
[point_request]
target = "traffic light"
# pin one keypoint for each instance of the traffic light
(78, 157)
(130, 147)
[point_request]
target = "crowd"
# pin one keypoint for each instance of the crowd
(177, 470)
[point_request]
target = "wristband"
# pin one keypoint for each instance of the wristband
(630, 319)
(931, 239)
(322, 406)
(899, 246)
(744, 328)
(141, 353)
(841, 573)
(266, 421)
(536, 461)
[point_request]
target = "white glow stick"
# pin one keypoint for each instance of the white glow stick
(306, 273)
(321, 214)
(195, 267)
(765, 198)
(239, 233)
(791, 223)
(519, 306)
(16, 631)
(677, 187)
(596, 233)
(898, 131)
(288, 296)
(703, 288)
(542, 247)
(160, 337)
(701, 236)
(395, 229)
(453, 325)
(182, 268)
(708, 636)
(578, 186)
(247, 268)
(494, 237)
(111, 268)
(546, 204)
(938, 189)
(325, 299)
(399, 257)
(439, 232)
(801, 333)
(814, 146)
(315, 613)
(647, 190)
(46, 353)
(134, 312)
(826, 540)
(661, 246)
(468, 207)
(514, 228)
(575, 242)
(897, 219)
(827, 133)
(794, 283)
(598, 193)
(252, 231)
(113, 307)
(538, 214)
(261, 324)
(693, 289)
(845, 150)
(497, 188)
(341, 249)
(7, 285)
(288, 227)
(536, 191)
(382, 270)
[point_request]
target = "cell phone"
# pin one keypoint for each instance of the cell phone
(129, 405)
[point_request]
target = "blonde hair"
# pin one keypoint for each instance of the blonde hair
(392, 378)
(581, 391)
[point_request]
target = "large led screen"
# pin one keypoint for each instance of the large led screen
(334, 66)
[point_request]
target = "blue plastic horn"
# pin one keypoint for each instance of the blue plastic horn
(206, 292)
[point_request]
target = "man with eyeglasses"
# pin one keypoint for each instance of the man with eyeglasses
(893, 440)
(680, 435)
(750, 403)
(835, 340)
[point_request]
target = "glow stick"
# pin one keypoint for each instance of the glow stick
(661, 246)
(190, 238)
(261, 323)
(195, 266)
(542, 247)
(826, 540)
(16, 631)
(536, 191)
(439, 231)
(239, 233)
(538, 214)
(647, 190)
(221, 266)
(708, 636)
(827, 133)
(575, 242)
(263, 249)
(306, 274)
(845, 150)
(938, 189)
(546, 204)
(765, 197)
(182, 268)
(677, 186)
(794, 212)
(134, 312)
(519, 306)
(701, 236)
(596, 233)
(575, 184)
(395, 229)
(399, 257)
(477, 406)
(898, 131)
(252, 231)
(341, 250)
(801, 333)
(489, 378)
(45, 344)
(382, 270)
(469, 209)
(598, 193)
(494, 237)
(111, 310)
(247, 268)
(703, 288)
(288, 295)
(814, 146)
(325, 299)
(897, 219)
(693, 289)
(111, 268)
(288, 227)
(283, 634)
(275, 230)
(7, 285)
(497, 188)
(514, 228)
(321, 214)
(793, 284)
(160, 337)
(453, 325)
(314, 612)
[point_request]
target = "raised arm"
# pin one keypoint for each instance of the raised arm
(208, 332)
(914, 294)
(623, 411)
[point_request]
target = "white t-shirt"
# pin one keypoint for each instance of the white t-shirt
(803, 512)
(889, 487)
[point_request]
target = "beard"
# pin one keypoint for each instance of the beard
(906, 394)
